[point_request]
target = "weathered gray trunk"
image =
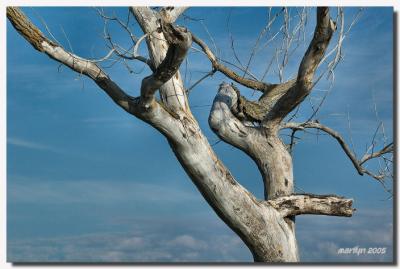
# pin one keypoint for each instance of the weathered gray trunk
(268, 152)
(265, 226)
(266, 234)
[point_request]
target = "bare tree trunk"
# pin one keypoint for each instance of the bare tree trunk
(267, 242)
(265, 148)
(267, 226)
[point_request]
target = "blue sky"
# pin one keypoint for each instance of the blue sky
(88, 182)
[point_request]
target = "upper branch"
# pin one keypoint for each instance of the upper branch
(311, 59)
(298, 204)
(322, 35)
(387, 149)
(147, 17)
(83, 66)
(171, 14)
(179, 40)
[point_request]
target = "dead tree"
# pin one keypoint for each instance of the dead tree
(266, 226)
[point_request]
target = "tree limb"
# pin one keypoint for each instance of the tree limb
(300, 204)
(387, 149)
(356, 163)
(171, 14)
(322, 35)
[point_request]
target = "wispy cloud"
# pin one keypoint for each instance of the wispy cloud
(320, 238)
(118, 122)
(102, 120)
(31, 190)
(18, 142)
(151, 241)
(130, 247)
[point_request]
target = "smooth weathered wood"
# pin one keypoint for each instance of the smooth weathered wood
(263, 146)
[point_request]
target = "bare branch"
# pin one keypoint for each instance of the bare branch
(262, 33)
(139, 57)
(299, 204)
(387, 149)
(322, 35)
(209, 74)
(356, 163)
(125, 26)
(171, 14)
(250, 83)
(118, 50)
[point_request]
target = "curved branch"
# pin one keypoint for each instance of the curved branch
(387, 149)
(356, 163)
(225, 124)
(299, 204)
(322, 35)
(118, 50)
(179, 40)
(172, 93)
(250, 83)
(136, 47)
